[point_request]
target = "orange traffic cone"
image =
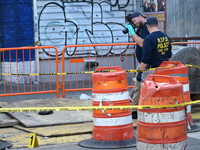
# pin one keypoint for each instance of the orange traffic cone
(112, 128)
(163, 128)
(180, 73)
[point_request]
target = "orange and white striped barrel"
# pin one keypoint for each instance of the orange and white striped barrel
(180, 73)
(111, 89)
(163, 128)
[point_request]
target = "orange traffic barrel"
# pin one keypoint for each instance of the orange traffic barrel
(180, 73)
(112, 128)
(161, 128)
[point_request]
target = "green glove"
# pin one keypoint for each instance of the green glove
(130, 29)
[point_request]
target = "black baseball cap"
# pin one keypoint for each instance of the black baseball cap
(136, 14)
(152, 20)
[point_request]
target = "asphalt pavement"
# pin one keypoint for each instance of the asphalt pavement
(192, 140)
(192, 144)
(75, 94)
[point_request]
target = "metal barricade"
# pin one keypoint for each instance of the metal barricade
(79, 60)
(180, 45)
(195, 44)
(25, 75)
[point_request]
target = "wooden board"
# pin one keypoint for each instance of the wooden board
(7, 121)
(59, 130)
(33, 119)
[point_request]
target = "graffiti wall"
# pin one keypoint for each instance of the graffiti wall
(70, 22)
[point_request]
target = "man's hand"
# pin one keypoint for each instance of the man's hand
(130, 29)
(139, 76)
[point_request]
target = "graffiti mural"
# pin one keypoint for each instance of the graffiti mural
(68, 22)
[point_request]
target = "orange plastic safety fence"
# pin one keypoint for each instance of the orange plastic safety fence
(21, 83)
(84, 58)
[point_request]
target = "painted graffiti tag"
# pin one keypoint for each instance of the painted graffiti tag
(66, 22)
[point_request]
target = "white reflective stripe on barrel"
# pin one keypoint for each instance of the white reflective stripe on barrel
(172, 146)
(179, 75)
(110, 96)
(186, 87)
(162, 117)
(112, 121)
(188, 108)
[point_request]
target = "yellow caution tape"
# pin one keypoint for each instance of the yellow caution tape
(192, 66)
(151, 69)
(31, 109)
(86, 72)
